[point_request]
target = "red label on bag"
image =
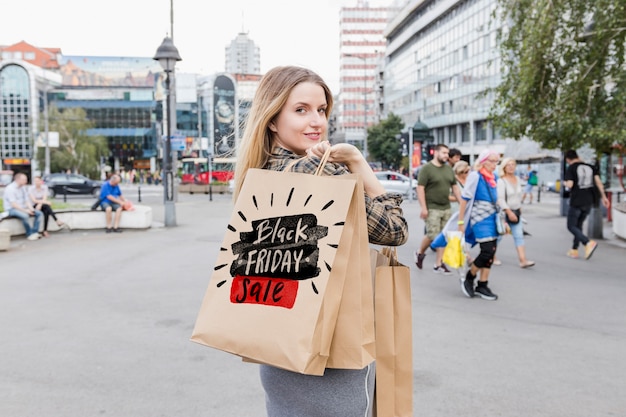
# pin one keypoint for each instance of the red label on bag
(278, 292)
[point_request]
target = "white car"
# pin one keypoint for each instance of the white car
(395, 182)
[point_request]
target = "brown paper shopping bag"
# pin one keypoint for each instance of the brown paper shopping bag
(394, 336)
(276, 287)
(354, 341)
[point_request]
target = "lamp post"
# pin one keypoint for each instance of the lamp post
(364, 59)
(46, 170)
(167, 55)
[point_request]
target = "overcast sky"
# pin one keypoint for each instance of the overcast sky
(288, 32)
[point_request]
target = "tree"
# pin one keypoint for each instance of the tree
(77, 151)
(564, 81)
(382, 143)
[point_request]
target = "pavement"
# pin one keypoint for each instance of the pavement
(97, 324)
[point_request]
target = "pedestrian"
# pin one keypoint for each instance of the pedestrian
(461, 170)
(112, 200)
(531, 181)
(18, 203)
(435, 182)
(510, 202)
(480, 197)
(584, 182)
(287, 124)
(454, 156)
(38, 193)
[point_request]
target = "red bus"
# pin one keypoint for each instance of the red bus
(196, 170)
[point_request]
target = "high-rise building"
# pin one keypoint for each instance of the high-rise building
(441, 60)
(243, 56)
(362, 44)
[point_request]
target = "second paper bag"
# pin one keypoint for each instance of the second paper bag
(276, 287)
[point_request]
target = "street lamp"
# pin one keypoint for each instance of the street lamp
(364, 59)
(46, 169)
(167, 55)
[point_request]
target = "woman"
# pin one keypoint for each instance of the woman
(38, 193)
(461, 171)
(510, 201)
(479, 198)
(287, 124)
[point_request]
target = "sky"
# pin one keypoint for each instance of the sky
(288, 32)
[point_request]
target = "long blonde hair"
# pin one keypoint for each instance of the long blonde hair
(274, 90)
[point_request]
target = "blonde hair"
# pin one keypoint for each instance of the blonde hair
(274, 90)
(504, 163)
(459, 167)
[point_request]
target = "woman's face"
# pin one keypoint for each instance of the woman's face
(463, 174)
(510, 168)
(37, 181)
(302, 121)
(491, 163)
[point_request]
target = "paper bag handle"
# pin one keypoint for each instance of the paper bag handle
(392, 254)
(323, 160)
(320, 168)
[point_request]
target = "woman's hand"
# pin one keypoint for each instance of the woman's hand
(342, 153)
(511, 215)
(353, 159)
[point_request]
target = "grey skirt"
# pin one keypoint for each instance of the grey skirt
(340, 392)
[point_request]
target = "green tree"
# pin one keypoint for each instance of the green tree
(564, 81)
(77, 151)
(382, 143)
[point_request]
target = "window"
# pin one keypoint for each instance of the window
(465, 132)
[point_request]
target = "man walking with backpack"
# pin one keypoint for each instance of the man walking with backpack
(531, 181)
(584, 182)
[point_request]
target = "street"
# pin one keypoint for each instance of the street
(99, 324)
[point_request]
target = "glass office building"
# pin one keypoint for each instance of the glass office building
(441, 57)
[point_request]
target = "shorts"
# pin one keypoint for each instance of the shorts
(528, 188)
(108, 203)
(435, 222)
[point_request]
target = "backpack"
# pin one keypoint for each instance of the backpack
(532, 178)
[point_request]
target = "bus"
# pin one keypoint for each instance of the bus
(196, 170)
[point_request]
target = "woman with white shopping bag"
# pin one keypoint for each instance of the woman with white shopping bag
(287, 129)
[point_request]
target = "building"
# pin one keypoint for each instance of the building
(118, 96)
(26, 72)
(243, 56)
(441, 59)
(362, 44)
(243, 63)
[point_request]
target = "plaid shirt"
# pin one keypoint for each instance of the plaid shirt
(385, 223)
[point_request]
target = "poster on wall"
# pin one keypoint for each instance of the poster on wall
(224, 116)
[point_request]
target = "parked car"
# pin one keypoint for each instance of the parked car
(71, 184)
(395, 182)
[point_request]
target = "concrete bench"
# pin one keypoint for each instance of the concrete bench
(5, 239)
(140, 218)
(619, 220)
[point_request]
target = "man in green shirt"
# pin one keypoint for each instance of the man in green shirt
(434, 183)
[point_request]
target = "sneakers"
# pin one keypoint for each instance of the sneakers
(419, 259)
(572, 253)
(33, 236)
(590, 247)
(467, 284)
(441, 269)
(483, 291)
(117, 230)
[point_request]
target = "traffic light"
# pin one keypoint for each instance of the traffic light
(403, 137)
(428, 152)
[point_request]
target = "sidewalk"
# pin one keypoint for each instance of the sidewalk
(99, 324)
